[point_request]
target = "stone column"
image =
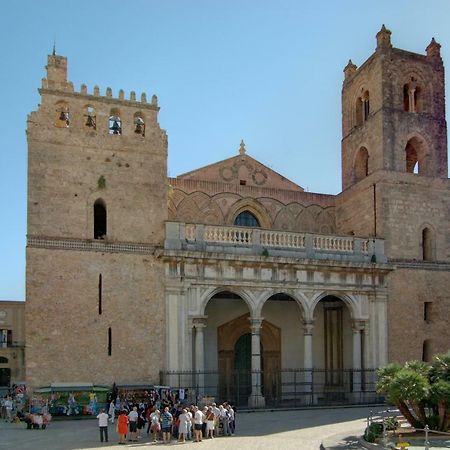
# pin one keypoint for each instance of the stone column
(199, 324)
(358, 325)
(256, 399)
(308, 326)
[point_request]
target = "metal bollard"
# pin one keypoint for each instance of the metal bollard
(427, 442)
(384, 434)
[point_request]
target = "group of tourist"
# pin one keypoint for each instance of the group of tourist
(178, 421)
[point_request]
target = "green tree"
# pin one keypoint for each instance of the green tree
(419, 390)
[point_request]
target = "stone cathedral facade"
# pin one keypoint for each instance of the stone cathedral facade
(134, 277)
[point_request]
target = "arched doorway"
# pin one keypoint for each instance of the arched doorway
(234, 359)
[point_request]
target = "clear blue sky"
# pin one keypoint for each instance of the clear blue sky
(269, 72)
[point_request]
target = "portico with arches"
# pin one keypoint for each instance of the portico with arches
(246, 326)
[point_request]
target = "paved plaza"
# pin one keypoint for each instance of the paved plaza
(301, 430)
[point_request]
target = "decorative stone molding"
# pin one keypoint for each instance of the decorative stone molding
(89, 246)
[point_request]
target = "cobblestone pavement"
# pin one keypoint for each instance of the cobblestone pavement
(301, 429)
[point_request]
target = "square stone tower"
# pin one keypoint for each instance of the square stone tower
(97, 202)
(393, 113)
(394, 176)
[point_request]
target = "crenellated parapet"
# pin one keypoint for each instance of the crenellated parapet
(92, 112)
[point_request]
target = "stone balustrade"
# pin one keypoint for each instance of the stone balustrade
(256, 241)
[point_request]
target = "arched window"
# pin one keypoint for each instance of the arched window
(412, 96)
(139, 124)
(359, 112)
(366, 105)
(427, 244)
(362, 108)
(62, 118)
(426, 351)
(246, 219)
(100, 224)
(415, 156)
(361, 169)
(115, 123)
(90, 118)
(3, 360)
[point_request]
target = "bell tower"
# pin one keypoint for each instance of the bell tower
(393, 113)
(97, 206)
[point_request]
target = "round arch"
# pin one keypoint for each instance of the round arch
(361, 163)
(210, 293)
(416, 150)
(300, 300)
(253, 206)
(352, 304)
(427, 238)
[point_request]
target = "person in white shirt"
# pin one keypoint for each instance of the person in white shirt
(103, 425)
(112, 411)
(132, 418)
(198, 423)
(224, 420)
(8, 404)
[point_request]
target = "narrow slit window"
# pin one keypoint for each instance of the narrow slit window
(427, 311)
(100, 287)
(109, 341)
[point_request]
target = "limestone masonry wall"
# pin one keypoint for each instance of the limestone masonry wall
(67, 338)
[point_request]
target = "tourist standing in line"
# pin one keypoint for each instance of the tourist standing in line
(224, 419)
(154, 424)
(140, 422)
(189, 424)
(198, 424)
(231, 421)
(209, 416)
(166, 425)
(112, 411)
(8, 404)
(122, 426)
(216, 412)
(183, 420)
(103, 425)
(132, 419)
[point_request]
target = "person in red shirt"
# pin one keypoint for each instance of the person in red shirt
(122, 426)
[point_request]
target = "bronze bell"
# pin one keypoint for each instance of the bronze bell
(115, 128)
(140, 126)
(90, 122)
(64, 117)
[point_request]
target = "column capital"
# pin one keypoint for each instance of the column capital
(358, 325)
(255, 324)
(308, 326)
(199, 322)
